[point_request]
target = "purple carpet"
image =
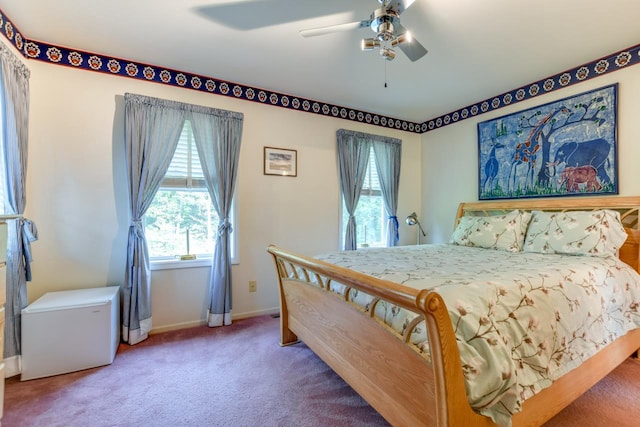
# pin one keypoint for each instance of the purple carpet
(231, 376)
(240, 376)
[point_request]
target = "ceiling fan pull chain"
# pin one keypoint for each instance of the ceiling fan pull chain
(385, 74)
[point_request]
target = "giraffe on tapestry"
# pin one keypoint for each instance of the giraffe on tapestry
(527, 152)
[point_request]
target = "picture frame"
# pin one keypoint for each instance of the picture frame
(280, 161)
(566, 147)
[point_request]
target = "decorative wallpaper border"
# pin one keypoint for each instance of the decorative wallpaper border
(75, 58)
(582, 73)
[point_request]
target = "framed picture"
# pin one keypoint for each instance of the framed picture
(279, 161)
(563, 148)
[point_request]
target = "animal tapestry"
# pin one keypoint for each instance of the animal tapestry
(566, 147)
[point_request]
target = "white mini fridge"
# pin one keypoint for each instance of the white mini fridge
(69, 331)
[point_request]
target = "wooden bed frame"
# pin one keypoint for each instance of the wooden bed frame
(404, 386)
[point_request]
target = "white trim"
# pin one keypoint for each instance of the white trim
(145, 326)
(202, 322)
(219, 319)
(177, 326)
(168, 264)
(135, 336)
(248, 314)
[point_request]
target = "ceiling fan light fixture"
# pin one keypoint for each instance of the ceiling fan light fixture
(385, 24)
(402, 38)
(388, 53)
(370, 44)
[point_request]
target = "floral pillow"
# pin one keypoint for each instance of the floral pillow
(502, 232)
(593, 233)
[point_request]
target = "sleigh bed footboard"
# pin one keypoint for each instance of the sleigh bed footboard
(405, 385)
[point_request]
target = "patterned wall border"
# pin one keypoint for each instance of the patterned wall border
(41, 51)
(75, 58)
(597, 68)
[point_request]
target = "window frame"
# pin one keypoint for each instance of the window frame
(201, 261)
(194, 184)
(366, 191)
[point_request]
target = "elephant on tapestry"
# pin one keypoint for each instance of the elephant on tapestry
(593, 153)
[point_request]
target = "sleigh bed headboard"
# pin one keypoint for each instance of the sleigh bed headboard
(628, 207)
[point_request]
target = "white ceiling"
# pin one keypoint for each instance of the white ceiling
(477, 48)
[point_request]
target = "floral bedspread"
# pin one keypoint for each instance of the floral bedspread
(522, 320)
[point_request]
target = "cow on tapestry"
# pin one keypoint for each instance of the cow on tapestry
(566, 147)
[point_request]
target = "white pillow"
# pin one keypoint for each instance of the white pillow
(502, 232)
(593, 233)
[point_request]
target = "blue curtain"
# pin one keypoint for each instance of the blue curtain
(218, 136)
(152, 131)
(388, 153)
(14, 101)
(353, 156)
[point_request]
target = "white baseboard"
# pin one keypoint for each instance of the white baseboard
(256, 313)
(176, 326)
(192, 324)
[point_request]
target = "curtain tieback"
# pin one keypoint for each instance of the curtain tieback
(224, 227)
(29, 233)
(137, 227)
(396, 224)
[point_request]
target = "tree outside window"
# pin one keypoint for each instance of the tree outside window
(182, 219)
(370, 212)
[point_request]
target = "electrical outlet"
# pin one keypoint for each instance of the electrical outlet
(253, 286)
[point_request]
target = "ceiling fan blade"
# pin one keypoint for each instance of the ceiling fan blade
(319, 31)
(400, 5)
(246, 15)
(413, 49)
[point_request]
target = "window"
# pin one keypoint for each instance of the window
(370, 213)
(182, 220)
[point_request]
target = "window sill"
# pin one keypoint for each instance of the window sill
(170, 264)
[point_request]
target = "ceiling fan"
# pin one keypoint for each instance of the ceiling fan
(385, 22)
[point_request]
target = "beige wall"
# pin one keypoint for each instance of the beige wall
(457, 147)
(76, 191)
